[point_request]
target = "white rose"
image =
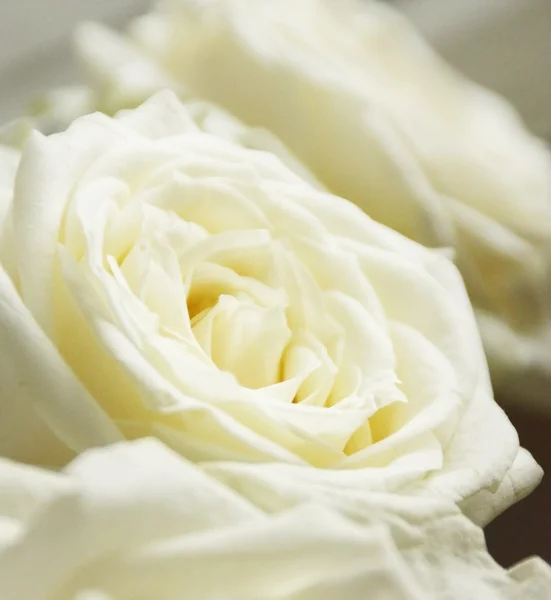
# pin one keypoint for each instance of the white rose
(165, 281)
(135, 520)
(381, 120)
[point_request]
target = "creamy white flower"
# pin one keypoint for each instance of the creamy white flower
(379, 119)
(165, 281)
(136, 520)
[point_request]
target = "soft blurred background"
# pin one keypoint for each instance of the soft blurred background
(502, 44)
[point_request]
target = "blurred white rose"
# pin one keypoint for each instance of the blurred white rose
(357, 95)
(159, 280)
(135, 520)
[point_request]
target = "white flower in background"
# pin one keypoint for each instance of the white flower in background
(136, 520)
(164, 281)
(357, 95)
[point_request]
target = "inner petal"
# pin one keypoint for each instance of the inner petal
(244, 339)
(307, 349)
(211, 280)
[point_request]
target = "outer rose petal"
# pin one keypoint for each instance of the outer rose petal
(138, 519)
(508, 472)
(36, 381)
(502, 473)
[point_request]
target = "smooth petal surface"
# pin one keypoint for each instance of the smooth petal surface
(36, 381)
(378, 118)
(135, 518)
